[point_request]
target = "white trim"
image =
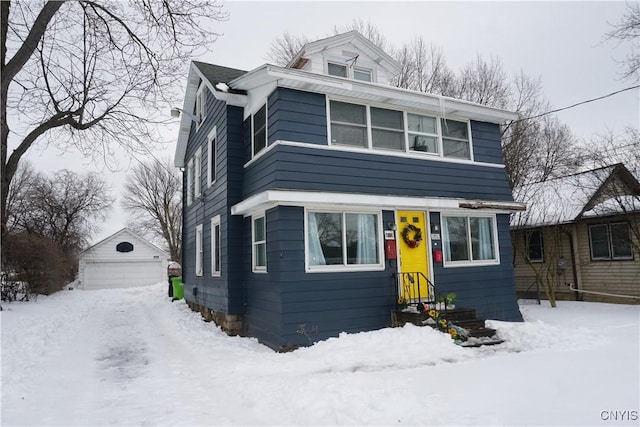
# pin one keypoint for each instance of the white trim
(199, 264)
(386, 153)
(189, 181)
(212, 153)
(197, 175)
(215, 221)
(271, 198)
(256, 268)
(266, 129)
(471, 263)
(201, 104)
(344, 267)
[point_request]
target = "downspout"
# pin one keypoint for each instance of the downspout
(574, 264)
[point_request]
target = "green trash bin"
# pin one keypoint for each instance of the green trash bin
(178, 287)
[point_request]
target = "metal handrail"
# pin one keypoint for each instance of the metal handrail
(410, 283)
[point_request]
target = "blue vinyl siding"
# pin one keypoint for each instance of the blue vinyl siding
(224, 293)
(486, 139)
(302, 168)
(489, 289)
(297, 116)
(286, 297)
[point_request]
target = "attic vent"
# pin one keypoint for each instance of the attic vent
(124, 247)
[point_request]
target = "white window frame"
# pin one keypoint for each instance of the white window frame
(471, 262)
(362, 70)
(266, 130)
(349, 69)
(254, 244)
(197, 176)
(199, 265)
(345, 266)
(611, 256)
(212, 150)
(201, 104)
(339, 64)
(215, 222)
(406, 149)
(190, 182)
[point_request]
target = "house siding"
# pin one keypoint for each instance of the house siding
(297, 116)
(224, 293)
(488, 289)
(302, 168)
(280, 301)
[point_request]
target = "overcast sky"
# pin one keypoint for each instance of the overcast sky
(562, 43)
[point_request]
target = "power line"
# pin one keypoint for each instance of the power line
(579, 103)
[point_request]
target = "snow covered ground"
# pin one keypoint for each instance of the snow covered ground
(131, 357)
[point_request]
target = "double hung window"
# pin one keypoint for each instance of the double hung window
(259, 244)
(211, 157)
(190, 187)
(199, 250)
(201, 104)
(215, 246)
(469, 240)
(610, 241)
(197, 176)
(377, 128)
(259, 130)
(342, 240)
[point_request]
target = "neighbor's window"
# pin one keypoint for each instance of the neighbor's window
(338, 70)
(455, 139)
(348, 124)
(469, 239)
(199, 250)
(535, 249)
(197, 166)
(344, 239)
(259, 121)
(423, 133)
(190, 187)
(215, 246)
(211, 156)
(610, 241)
(259, 253)
(387, 129)
(362, 74)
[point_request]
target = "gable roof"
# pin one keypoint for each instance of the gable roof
(354, 37)
(598, 192)
(123, 232)
(215, 77)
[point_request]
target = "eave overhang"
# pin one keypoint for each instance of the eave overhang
(370, 92)
(271, 198)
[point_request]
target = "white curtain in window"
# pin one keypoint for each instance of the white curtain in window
(316, 256)
(445, 240)
(485, 238)
(366, 240)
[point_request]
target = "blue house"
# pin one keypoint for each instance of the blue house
(317, 196)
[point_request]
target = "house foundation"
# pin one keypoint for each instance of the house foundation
(232, 324)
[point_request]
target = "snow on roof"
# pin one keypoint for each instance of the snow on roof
(614, 206)
(560, 200)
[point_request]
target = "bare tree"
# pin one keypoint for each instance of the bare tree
(152, 194)
(628, 29)
(284, 48)
(92, 74)
(424, 68)
(367, 29)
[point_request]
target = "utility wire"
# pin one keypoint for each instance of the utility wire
(577, 104)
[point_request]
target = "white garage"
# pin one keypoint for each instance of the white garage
(122, 260)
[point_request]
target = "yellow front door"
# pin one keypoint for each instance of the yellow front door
(412, 244)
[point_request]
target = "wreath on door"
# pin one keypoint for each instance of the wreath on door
(412, 236)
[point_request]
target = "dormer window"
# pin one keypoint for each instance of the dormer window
(349, 72)
(337, 70)
(362, 74)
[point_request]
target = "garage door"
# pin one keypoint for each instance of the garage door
(103, 275)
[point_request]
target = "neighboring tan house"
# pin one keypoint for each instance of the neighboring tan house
(580, 231)
(309, 189)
